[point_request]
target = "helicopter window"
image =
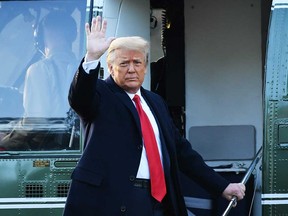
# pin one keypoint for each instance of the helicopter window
(41, 47)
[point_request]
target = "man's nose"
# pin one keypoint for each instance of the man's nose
(131, 67)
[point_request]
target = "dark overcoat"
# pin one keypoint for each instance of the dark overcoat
(102, 182)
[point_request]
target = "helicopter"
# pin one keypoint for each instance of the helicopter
(221, 66)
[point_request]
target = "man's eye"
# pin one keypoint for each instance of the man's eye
(123, 64)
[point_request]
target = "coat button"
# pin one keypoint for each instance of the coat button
(131, 178)
(123, 208)
(140, 147)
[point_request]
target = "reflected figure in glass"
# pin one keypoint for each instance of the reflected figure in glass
(46, 116)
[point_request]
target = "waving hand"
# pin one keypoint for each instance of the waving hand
(96, 41)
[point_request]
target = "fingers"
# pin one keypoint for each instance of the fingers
(242, 186)
(240, 191)
(87, 29)
(236, 190)
(97, 25)
(240, 196)
(104, 26)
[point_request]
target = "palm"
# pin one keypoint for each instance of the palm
(97, 43)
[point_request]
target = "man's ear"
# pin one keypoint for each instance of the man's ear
(110, 69)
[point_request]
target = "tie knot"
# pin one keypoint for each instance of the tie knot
(136, 98)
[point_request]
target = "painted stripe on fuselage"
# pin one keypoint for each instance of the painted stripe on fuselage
(275, 196)
(279, 4)
(32, 203)
(275, 199)
(274, 202)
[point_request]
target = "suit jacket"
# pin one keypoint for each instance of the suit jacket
(102, 182)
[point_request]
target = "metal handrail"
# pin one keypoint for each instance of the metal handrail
(252, 166)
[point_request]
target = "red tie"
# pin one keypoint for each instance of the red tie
(158, 186)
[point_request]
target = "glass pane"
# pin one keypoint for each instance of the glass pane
(41, 47)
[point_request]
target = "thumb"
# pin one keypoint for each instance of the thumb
(110, 39)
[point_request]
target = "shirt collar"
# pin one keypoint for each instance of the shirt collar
(132, 95)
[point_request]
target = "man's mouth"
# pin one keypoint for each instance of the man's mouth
(132, 79)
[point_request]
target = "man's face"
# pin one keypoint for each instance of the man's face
(128, 69)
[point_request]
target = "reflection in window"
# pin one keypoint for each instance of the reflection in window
(41, 47)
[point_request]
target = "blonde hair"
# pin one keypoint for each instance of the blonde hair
(134, 43)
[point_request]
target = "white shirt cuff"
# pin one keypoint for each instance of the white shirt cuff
(87, 66)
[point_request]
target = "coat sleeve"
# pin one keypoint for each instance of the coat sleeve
(83, 96)
(192, 164)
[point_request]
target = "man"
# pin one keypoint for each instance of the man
(115, 175)
(46, 85)
(47, 81)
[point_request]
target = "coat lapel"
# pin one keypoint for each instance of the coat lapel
(125, 99)
(154, 107)
(157, 109)
(152, 103)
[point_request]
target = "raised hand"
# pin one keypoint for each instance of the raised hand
(96, 41)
